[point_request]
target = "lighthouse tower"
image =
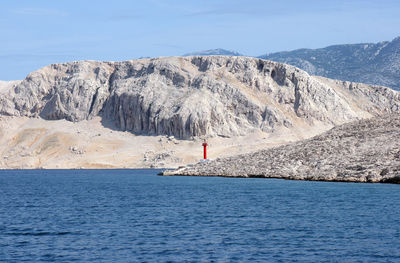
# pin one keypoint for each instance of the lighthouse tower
(205, 149)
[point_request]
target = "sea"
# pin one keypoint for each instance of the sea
(138, 216)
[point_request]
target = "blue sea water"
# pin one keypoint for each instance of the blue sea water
(137, 216)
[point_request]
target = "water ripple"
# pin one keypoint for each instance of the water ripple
(136, 216)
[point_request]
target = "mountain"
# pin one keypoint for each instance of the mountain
(214, 52)
(155, 112)
(361, 151)
(193, 96)
(377, 64)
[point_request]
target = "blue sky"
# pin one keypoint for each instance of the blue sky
(41, 32)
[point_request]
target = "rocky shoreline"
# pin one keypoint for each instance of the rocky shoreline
(361, 151)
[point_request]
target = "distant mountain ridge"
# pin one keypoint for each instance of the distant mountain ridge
(214, 52)
(370, 63)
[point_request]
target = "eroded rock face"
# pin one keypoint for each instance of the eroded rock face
(194, 96)
(73, 91)
(361, 151)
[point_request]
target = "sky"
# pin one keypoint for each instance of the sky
(37, 33)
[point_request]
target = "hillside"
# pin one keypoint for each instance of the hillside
(193, 96)
(371, 63)
(154, 112)
(361, 151)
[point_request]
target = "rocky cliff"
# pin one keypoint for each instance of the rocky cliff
(194, 96)
(362, 151)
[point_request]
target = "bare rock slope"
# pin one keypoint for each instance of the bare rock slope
(361, 151)
(194, 96)
(74, 115)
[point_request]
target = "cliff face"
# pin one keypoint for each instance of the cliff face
(194, 96)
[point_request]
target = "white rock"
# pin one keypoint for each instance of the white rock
(188, 97)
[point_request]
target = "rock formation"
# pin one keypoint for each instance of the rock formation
(194, 96)
(361, 151)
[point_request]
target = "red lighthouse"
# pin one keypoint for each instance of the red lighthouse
(205, 149)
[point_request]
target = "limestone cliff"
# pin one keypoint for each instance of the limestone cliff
(194, 96)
